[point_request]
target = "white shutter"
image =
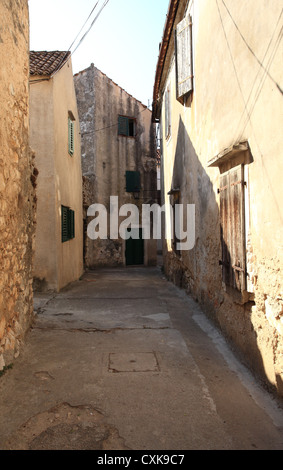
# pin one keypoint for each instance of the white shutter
(184, 66)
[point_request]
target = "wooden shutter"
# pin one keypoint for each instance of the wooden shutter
(123, 126)
(232, 213)
(183, 52)
(133, 183)
(175, 239)
(167, 113)
(67, 224)
(64, 223)
(71, 224)
(71, 136)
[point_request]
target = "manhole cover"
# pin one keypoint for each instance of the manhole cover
(133, 362)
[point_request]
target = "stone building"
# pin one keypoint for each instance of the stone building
(218, 100)
(55, 138)
(118, 160)
(17, 181)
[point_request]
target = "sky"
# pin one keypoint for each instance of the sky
(123, 42)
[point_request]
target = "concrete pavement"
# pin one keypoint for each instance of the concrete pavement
(123, 359)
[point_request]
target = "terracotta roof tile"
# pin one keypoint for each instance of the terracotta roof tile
(47, 63)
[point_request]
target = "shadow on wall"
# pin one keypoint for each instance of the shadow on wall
(198, 271)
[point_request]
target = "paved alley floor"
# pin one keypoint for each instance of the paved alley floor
(123, 359)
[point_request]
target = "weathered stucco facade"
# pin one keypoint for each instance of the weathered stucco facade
(17, 176)
(108, 153)
(222, 151)
(53, 108)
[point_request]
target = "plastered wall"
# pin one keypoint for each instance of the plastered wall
(237, 96)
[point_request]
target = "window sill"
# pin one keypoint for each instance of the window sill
(240, 298)
(127, 136)
(69, 240)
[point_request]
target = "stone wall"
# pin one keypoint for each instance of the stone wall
(17, 181)
(106, 157)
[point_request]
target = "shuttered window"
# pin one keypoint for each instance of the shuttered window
(67, 224)
(232, 213)
(167, 113)
(176, 240)
(71, 126)
(184, 62)
(133, 181)
(126, 126)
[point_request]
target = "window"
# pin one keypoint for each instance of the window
(184, 63)
(167, 113)
(126, 126)
(67, 223)
(71, 125)
(133, 184)
(176, 240)
(175, 197)
(232, 214)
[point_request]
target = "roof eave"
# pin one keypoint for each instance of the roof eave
(170, 19)
(175, 14)
(44, 73)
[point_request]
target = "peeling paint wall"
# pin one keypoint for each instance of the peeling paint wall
(17, 182)
(237, 68)
(106, 157)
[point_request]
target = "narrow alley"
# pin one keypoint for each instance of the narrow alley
(124, 360)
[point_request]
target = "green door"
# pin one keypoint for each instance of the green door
(135, 250)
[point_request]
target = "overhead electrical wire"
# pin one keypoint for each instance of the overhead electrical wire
(80, 42)
(248, 105)
(250, 49)
(111, 125)
(86, 33)
(83, 26)
(83, 37)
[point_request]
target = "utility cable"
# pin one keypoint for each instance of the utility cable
(111, 125)
(81, 40)
(262, 66)
(250, 49)
(261, 83)
(86, 33)
(232, 60)
(83, 26)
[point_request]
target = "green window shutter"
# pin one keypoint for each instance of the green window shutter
(133, 183)
(126, 126)
(72, 224)
(64, 223)
(123, 126)
(67, 224)
(71, 136)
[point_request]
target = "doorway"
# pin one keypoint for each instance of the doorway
(135, 248)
